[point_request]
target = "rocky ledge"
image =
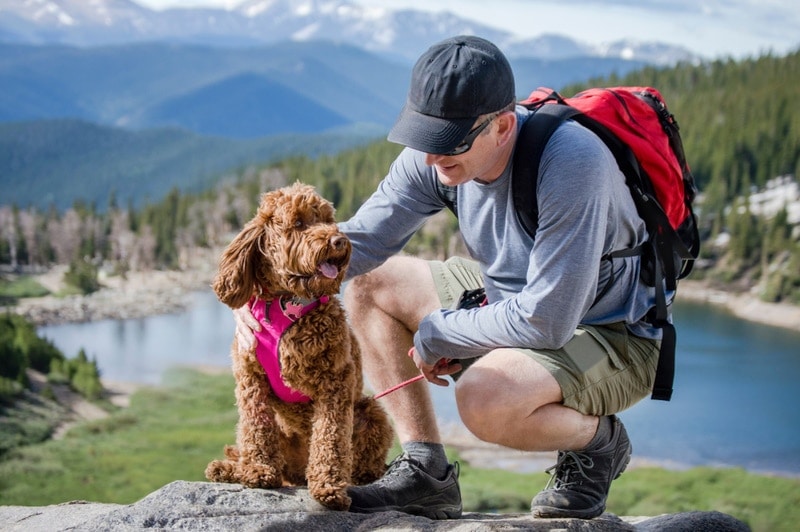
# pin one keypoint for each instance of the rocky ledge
(224, 507)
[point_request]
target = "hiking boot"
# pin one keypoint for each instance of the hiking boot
(580, 480)
(406, 487)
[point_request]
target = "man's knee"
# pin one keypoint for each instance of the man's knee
(357, 292)
(504, 387)
(477, 407)
(402, 287)
(371, 289)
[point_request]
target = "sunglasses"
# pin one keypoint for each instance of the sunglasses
(466, 144)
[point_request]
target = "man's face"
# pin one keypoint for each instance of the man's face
(485, 160)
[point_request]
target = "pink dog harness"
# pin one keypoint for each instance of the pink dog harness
(275, 320)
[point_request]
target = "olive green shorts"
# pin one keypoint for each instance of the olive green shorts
(601, 370)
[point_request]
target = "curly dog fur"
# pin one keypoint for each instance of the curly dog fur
(293, 247)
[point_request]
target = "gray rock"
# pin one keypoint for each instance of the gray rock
(211, 507)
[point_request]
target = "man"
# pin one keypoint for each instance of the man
(562, 344)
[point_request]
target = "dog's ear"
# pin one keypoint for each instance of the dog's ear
(235, 282)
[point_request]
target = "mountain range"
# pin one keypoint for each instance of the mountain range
(106, 95)
(265, 67)
(288, 87)
(54, 163)
(402, 34)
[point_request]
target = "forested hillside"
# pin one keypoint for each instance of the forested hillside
(740, 123)
(50, 162)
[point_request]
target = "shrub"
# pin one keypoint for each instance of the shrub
(9, 390)
(21, 347)
(13, 361)
(80, 373)
(82, 274)
(86, 377)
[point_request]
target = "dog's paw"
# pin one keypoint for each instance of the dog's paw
(222, 471)
(331, 498)
(260, 476)
(231, 452)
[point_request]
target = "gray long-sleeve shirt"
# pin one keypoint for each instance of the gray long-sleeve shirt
(540, 289)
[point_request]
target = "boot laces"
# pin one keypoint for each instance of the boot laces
(569, 469)
(395, 468)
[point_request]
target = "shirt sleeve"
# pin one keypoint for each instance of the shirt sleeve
(384, 224)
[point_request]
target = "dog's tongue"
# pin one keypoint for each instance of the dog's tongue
(328, 270)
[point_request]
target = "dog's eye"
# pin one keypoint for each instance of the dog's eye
(299, 224)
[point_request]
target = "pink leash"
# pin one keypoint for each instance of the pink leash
(398, 386)
(404, 383)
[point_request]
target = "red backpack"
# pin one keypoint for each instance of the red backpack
(635, 121)
(644, 137)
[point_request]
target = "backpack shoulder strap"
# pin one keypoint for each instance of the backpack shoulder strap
(448, 195)
(533, 137)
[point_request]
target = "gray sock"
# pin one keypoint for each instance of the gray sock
(430, 455)
(603, 434)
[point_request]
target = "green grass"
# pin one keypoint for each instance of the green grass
(166, 434)
(172, 432)
(15, 288)
(26, 419)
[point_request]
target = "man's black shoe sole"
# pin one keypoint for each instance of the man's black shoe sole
(422, 511)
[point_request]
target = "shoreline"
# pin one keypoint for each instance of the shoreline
(137, 295)
(142, 294)
(742, 305)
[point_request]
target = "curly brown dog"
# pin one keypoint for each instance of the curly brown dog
(309, 422)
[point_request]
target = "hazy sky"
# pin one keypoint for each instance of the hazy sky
(713, 28)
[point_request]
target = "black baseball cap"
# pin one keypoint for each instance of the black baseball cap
(452, 84)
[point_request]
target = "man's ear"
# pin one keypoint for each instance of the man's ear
(506, 125)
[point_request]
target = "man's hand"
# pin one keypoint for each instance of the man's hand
(245, 325)
(432, 372)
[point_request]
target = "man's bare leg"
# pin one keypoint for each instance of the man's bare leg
(385, 307)
(510, 399)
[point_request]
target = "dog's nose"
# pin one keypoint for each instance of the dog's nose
(338, 241)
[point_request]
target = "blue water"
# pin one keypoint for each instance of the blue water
(736, 383)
